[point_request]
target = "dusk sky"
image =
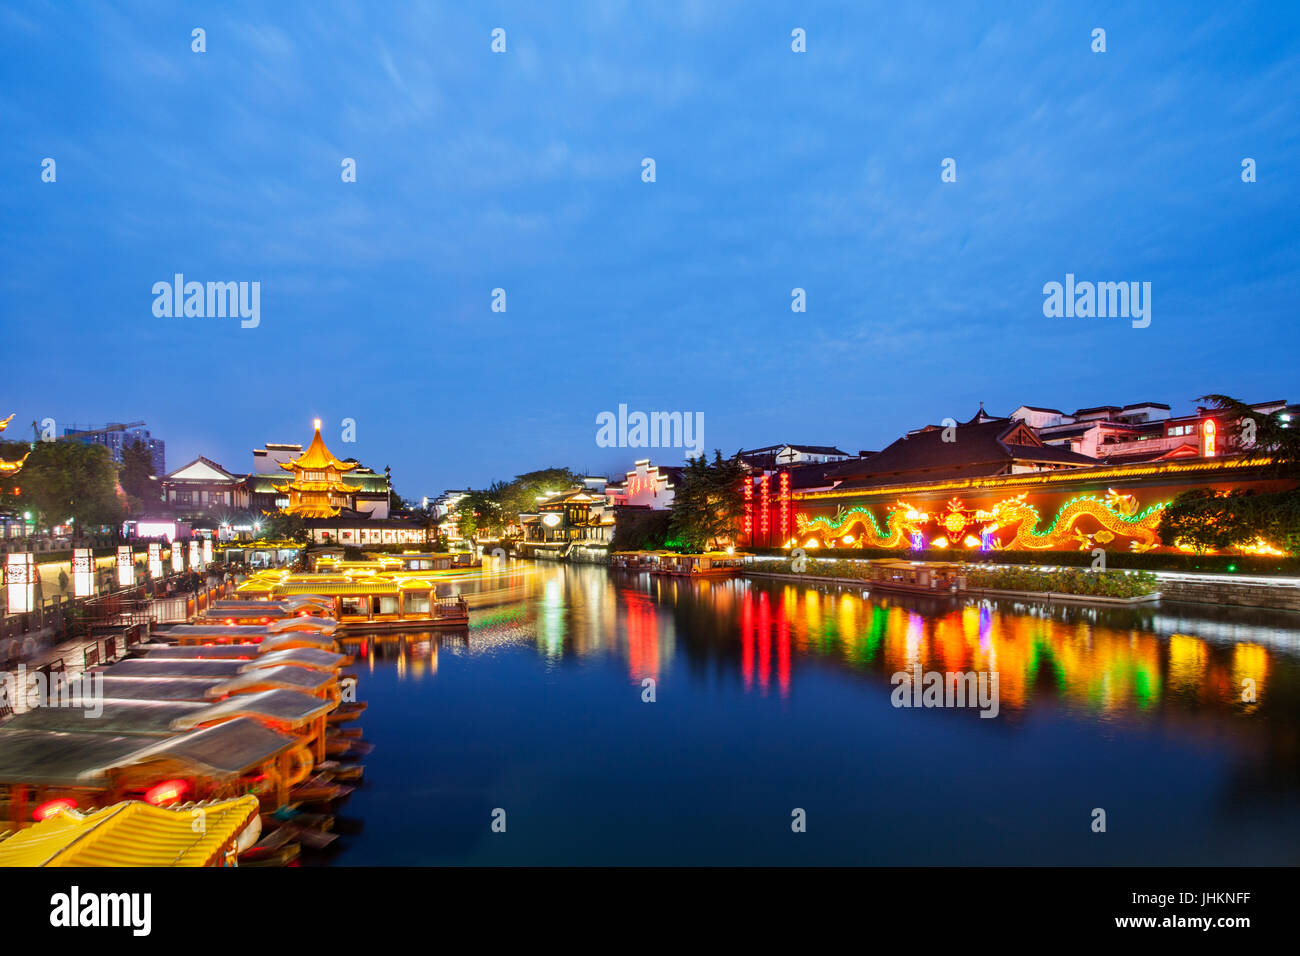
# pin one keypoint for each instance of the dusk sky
(523, 171)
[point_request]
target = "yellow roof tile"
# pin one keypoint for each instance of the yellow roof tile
(317, 457)
(132, 833)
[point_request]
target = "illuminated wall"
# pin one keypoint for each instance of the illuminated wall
(1112, 508)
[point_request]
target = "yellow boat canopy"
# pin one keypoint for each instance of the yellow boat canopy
(133, 833)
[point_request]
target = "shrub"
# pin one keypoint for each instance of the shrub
(1117, 584)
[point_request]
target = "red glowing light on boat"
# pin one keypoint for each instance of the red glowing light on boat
(166, 792)
(51, 807)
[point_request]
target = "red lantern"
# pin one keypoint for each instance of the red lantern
(169, 791)
(51, 807)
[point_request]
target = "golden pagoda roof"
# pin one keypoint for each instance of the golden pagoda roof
(132, 833)
(309, 510)
(8, 468)
(315, 486)
(317, 457)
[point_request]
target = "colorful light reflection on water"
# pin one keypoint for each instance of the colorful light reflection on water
(1182, 721)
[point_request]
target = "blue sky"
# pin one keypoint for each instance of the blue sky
(522, 171)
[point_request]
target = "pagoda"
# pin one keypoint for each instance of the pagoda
(317, 489)
(10, 468)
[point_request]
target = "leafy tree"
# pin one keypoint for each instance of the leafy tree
(709, 502)
(1273, 434)
(638, 530)
(68, 479)
(1211, 521)
(1207, 520)
(284, 527)
(520, 495)
(480, 511)
(136, 476)
(499, 506)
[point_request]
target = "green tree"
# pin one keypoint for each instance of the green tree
(68, 479)
(520, 496)
(480, 511)
(136, 477)
(709, 502)
(638, 530)
(284, 527)
(1206, 520)
(1252, 431)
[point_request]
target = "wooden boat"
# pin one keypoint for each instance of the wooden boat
(281, 856)
(318, 789)
(274, 849)
(371, 595)
(251, 655)
(338, 746)
(306, 836)
(341, 772)
(348, 710)
(634, 560)
(708, 564)
(302, 818)
(895, 574)
(92, 770)
(233, 632)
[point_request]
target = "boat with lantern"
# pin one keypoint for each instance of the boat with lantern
(42, 770)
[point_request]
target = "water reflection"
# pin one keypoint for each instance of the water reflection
(1099, 662)
(1182, 720)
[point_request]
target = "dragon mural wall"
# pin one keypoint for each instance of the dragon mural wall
(1083, 521)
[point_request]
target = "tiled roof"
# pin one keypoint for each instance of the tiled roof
(977, 449)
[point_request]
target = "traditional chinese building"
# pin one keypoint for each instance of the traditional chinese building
(581, 517)
(993, 483)
(339, 501)
(203, 488)
(317, 489)
(646, 486)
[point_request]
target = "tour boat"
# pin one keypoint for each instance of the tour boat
(710, 564)
(368, 598)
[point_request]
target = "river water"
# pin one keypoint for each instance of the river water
(773, 735)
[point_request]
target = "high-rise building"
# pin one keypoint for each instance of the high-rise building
(117, 437)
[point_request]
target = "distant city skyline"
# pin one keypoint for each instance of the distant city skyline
(775, 171)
